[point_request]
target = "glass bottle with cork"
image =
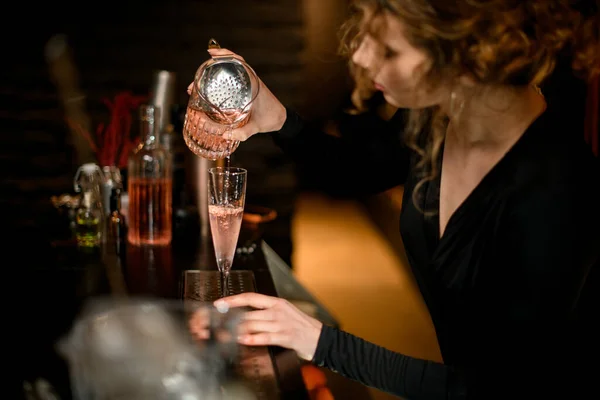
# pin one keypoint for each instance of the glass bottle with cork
(89, 218)
(149, 186)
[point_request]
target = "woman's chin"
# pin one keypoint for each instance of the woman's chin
(395, 102)
(405, 103)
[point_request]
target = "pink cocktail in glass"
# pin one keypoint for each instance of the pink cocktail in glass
(227, 191)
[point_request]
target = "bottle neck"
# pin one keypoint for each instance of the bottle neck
(149, 131)
(115, 201)
(149, 134)
(87, 200)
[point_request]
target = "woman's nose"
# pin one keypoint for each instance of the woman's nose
(364, 56)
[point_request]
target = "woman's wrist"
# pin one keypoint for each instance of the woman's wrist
(313, 336)
(281, 118)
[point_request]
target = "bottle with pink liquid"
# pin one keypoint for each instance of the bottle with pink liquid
(149, 185)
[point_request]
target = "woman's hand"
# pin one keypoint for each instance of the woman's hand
(276, 322)
(268, 114)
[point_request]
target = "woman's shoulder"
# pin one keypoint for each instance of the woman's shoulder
(554, 155)
(554, 168)
(555, 196)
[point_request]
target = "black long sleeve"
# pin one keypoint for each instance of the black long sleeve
(392, 372)
(368, 158)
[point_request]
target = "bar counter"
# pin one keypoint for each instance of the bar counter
(63, 277)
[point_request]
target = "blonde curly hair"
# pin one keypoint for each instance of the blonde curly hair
(495, 42)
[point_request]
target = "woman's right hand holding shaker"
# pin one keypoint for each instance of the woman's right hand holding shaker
(268, 114)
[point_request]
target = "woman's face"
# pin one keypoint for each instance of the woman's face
(393, 65)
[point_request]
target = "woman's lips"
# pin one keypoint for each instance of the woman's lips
(378, 87)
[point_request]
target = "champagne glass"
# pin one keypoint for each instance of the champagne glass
(227, 195)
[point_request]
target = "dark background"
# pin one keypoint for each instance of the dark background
(117, 46)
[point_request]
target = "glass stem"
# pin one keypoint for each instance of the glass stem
(225, 283)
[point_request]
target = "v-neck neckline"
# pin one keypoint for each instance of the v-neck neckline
(487, 180)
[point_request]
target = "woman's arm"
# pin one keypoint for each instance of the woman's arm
(276, 322)
(386, 370)
(368, 157)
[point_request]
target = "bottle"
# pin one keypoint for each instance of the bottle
(163, 92)
(115, 245)
(115, 224)
(149, 186)
(89, 218)
(112, 179)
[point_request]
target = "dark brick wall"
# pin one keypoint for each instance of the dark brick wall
(117, 46)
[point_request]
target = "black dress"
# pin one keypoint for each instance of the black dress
(508, 285)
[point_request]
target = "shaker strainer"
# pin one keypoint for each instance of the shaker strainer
(223, 92)
(225, 84)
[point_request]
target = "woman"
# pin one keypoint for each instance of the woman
(500, 219)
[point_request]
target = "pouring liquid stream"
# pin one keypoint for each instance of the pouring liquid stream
(227, 182)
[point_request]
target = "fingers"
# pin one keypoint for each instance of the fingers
(265, 339)
(254, 300)
(244, 132)
(253, 327)
(200, 317)
(189, 88)
(201, 334)
(261, 315)
(224, 52)
(199, 323)
(240, 134)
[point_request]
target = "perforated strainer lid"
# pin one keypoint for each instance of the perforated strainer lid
(226, 85)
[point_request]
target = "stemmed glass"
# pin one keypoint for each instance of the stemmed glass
(227, 195)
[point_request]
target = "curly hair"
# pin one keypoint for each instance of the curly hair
(495, 42)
